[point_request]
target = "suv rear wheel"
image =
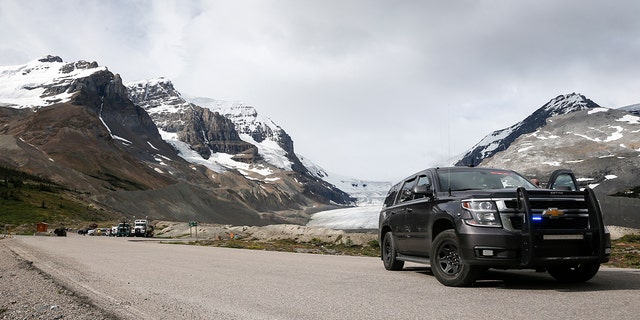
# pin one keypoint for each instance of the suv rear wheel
(445, 262)
(389, 253)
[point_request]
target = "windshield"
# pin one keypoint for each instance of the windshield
(459, 180)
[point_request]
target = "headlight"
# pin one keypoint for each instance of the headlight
(481, 213)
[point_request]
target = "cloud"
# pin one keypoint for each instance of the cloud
(365, 88)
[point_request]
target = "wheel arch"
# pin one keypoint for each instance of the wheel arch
(383, 231)
(440, 225)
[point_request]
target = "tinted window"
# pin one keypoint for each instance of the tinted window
(423, 180)
(564, 181)
(391, 195)
(405, 192)
(458, 180)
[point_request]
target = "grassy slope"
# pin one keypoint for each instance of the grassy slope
(26, 200)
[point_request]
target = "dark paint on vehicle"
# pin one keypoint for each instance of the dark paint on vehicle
(462, 221)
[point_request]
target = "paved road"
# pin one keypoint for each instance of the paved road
(149, 280)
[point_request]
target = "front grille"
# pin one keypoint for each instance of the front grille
(578, 223)
(543, 204)
(575, 212)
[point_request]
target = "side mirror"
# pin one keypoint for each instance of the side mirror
(423, 190)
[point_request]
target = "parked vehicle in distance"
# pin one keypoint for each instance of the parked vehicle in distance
(124, 229)
(462, 221)
(142, 228)
(60, 232)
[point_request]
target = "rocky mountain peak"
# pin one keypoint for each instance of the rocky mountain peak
(564, 104)
(216, 128)
(500, 140)
(50, 58)
(599, 145)
(204, 130)
(153, 93)
(44, 82)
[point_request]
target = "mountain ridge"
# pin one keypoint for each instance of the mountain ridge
(75, 122)
(154, 152)
(500, 140)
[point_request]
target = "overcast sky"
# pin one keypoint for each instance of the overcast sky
(369, 89)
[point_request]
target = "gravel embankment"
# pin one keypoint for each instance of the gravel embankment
(28, 293)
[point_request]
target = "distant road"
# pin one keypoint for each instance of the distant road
(149, 280)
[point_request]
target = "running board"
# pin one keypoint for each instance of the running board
(415, 259)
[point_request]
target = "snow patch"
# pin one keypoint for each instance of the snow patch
(121, 139)
(152, 146)
(631, 119)
(270, 151)
(365, 217)
(525, 149)
(596, 110)
(25, 86)
(218, 162)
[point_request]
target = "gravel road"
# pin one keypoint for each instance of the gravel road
(114, 278)
(28, 293)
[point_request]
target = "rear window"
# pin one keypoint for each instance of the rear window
(460, 180)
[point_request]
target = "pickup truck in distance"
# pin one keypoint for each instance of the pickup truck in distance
(462, 221)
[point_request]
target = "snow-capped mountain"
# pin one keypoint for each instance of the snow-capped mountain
(602, 146)
(147, 150)
(211, 126)
(599, 145)
(274, 144)
(158, 155)
(227, 136)
(42, 82)
(500, 140)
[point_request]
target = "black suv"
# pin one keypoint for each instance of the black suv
(462, 221)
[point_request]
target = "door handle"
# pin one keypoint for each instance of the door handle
(409, 210)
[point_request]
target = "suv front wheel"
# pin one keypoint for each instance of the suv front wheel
(573, 274)
(445, 262)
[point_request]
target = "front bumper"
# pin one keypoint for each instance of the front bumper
(496, 247)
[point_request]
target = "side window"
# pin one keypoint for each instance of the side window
(391, 196)
(423, 181)
(405, 192)
(564, 182)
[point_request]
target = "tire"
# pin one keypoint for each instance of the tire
(445, 262)
(389, 253)
(574, 274)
